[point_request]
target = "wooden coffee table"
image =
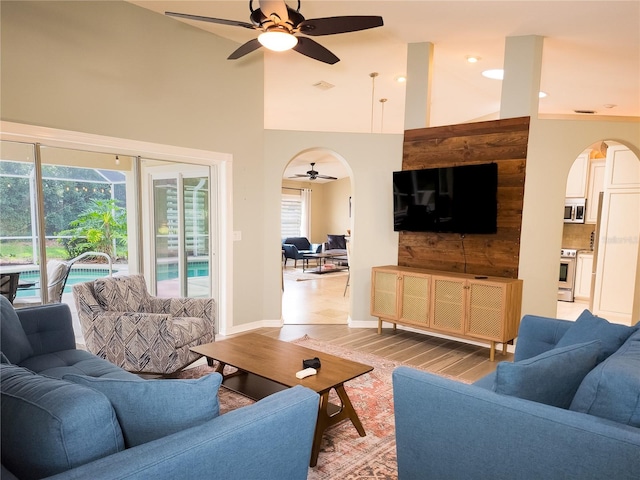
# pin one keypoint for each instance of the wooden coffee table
(266, 366)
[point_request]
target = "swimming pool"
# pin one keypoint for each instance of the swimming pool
(77, 275)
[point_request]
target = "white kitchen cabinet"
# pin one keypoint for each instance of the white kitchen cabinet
(577, 180)
(616, 296)
(584, 267)
(594, 188)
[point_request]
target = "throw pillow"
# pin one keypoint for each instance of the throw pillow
(50, 425)
(14, 341)
(336, 242)
(588, 327)
(551, 377)
(153, 409)
(612, 389)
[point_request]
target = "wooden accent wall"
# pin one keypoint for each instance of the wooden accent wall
(500, 141)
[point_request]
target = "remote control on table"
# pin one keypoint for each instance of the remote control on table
(306, 372)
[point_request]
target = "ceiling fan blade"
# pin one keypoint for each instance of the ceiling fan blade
(244, 49)
(326, 177)
(335, 25)
(314, 50)
(298, 175)
(221, 21)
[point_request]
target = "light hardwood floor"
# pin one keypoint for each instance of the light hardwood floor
(317, 307)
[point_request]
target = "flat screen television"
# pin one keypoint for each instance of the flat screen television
(459, 199)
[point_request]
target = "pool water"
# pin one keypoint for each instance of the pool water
(170, 270)
(77, 275)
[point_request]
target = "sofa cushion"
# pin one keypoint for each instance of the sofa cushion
(50, 425)
(588, 327)
(612, 389)
(14, 341)
(122, 294)
(64, 362)
(153, 409)
(551, 378)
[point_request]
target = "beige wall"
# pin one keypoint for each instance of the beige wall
(114, 69)
(337, 206)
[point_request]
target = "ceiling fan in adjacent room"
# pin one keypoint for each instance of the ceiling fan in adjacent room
(313, 174)
(280, 24)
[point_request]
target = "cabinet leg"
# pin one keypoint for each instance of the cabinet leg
(492, 352)
(395, 327)
(379, 326)
(504, 348)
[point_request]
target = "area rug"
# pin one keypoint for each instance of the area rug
(344, 454)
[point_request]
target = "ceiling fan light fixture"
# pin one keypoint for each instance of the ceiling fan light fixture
(277, 40)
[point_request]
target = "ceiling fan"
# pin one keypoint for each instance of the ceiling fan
(313, 174)
(279, 24)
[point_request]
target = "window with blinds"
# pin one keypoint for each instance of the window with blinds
(291, 215)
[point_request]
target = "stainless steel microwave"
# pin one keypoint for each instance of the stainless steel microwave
(574, 210)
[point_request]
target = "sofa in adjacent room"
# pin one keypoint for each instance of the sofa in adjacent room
(296, 248)
(568, 407)
(68, 414)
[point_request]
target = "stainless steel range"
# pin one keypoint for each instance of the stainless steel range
(567, 281)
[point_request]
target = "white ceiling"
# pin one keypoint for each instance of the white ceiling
(591, 60)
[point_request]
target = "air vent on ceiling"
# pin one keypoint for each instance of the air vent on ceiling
(587, 112)
(322, 85)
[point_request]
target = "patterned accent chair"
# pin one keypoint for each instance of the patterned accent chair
(140, 333)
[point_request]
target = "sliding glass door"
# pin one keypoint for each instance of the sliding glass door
(180, 222)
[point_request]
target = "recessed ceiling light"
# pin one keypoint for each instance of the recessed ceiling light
(473, 59)
(609, 105)
(401, 79)
(542, 94)
(494, 74)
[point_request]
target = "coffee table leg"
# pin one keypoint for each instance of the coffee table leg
(327, 419)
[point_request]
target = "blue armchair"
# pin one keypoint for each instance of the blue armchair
(297, 247)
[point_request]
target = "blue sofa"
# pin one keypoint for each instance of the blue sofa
(68, 414)
(297, 247)
(568, 407)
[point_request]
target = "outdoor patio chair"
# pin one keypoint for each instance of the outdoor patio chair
(57, 274)
(138, 332)
(9, 285)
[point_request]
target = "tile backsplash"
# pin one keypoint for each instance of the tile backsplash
(577, 235)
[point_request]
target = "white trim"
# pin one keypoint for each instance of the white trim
(52, 137)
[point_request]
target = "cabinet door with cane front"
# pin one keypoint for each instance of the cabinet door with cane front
(448, 304)
(384, 291)
(415, 298)
(485, 310)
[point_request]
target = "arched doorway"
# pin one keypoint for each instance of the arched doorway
(316, 204)
(605, 265)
